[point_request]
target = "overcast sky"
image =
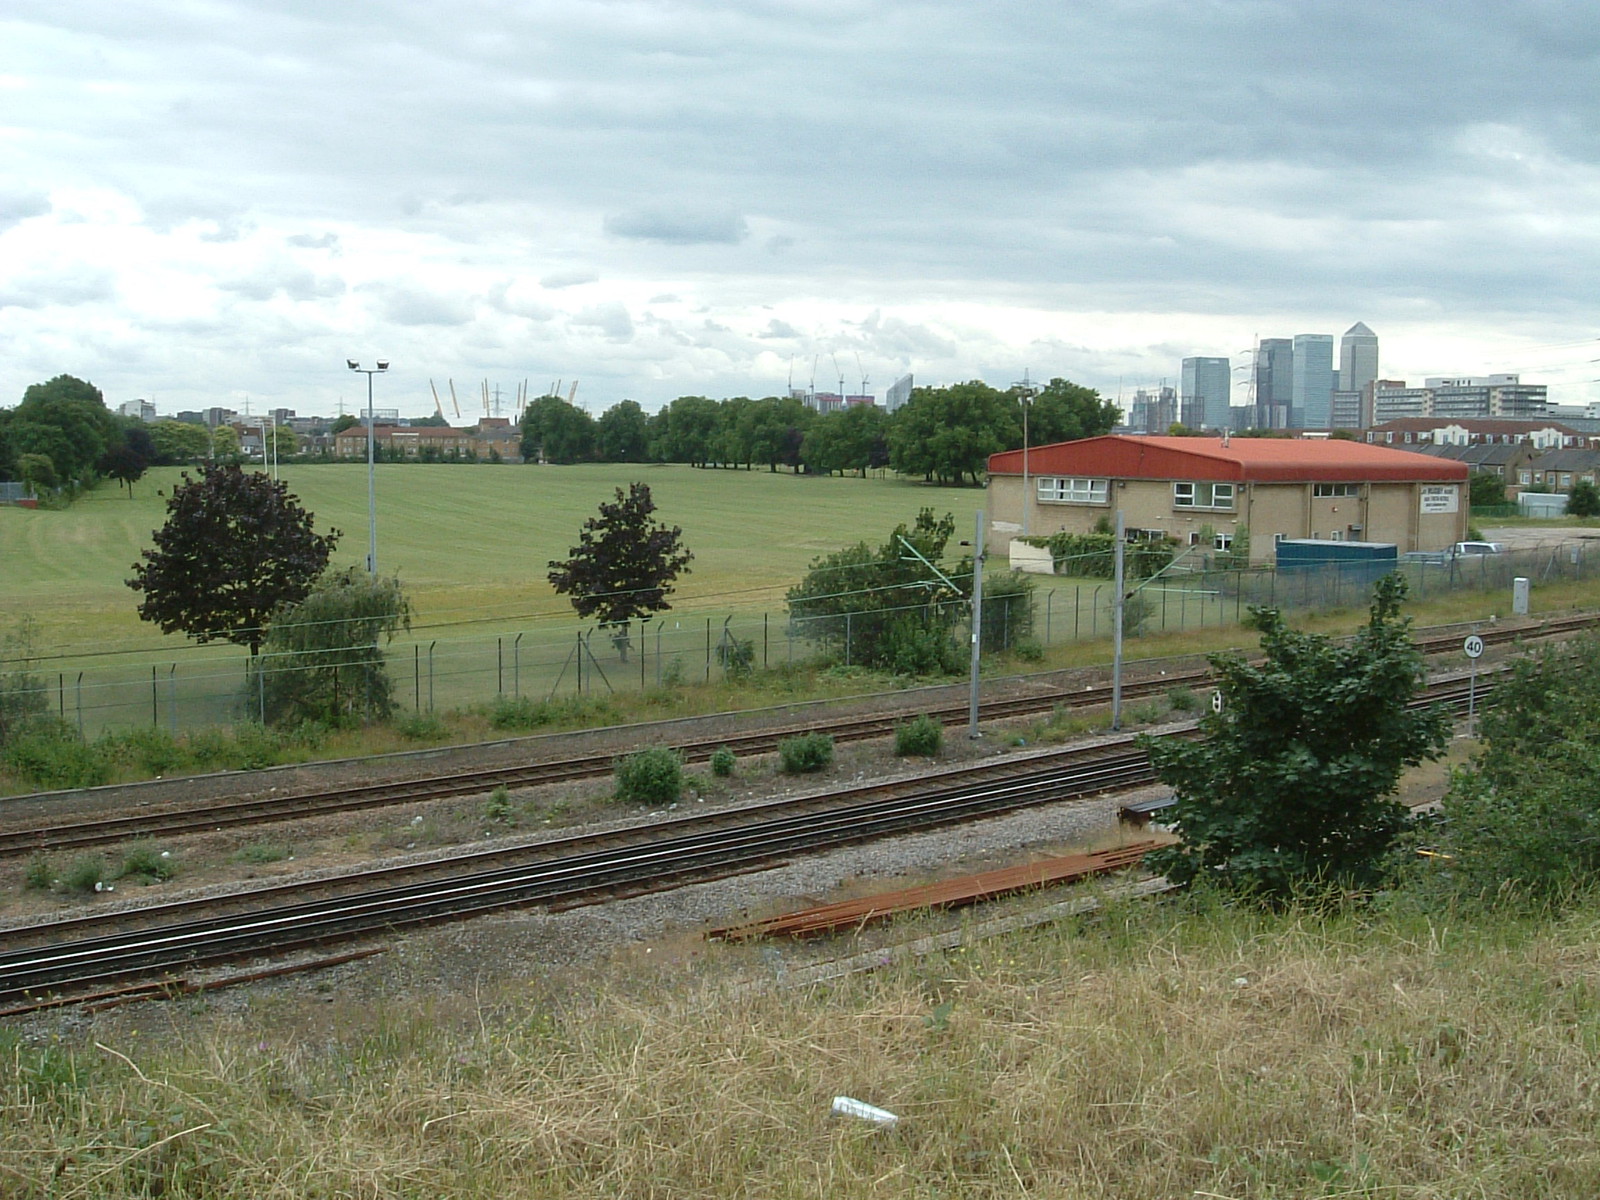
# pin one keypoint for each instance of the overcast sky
(203, 200)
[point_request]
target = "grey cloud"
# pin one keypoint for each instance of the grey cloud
(286, 278)
(306, 241)
(69, 288)
(566, 279)
(610, 319)
(779, 329)
(416, 306)
(507, 299)
(678, 227)
(18, 206)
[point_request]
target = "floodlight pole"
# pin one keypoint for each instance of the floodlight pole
(372, 487)
(1026, 391)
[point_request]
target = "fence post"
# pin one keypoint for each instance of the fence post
(578, 654)
(642, 651)
(659, 628)
(847, 639)
(416, 678)
(763, 641)
(61, 695)
(499, 666)
(1048, 598)
(78, 693)
(155, 712)
(172, 699)
(431, 645)
(708, 649)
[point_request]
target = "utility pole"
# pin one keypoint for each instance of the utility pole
(977, 628)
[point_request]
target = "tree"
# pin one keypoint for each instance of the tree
(556, 431)
(225, 443)
(686, 431)
(124, 464)
(948, 434)
(65, 419)
(885, 606)
(322, 659)
(1522, 821)
(1583, 500)
(622, 434)
(236, 548)
(624, 564)
(1292, 785)
(180, 442)
(1485, 488)
(342, 422)
(1064, 412)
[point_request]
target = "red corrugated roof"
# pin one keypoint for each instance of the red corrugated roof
(1255, 460)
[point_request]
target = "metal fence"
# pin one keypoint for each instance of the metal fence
(450, 668)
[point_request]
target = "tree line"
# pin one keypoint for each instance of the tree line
(943, 434)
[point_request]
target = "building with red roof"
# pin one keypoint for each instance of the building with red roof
(1196, 490)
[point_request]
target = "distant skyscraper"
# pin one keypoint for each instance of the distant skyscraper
(899, 393)
(1358, 358)
(1207, 390)
(1313, 381)
(1274, 382)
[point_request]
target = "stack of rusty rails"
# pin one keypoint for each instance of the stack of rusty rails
(949, 893)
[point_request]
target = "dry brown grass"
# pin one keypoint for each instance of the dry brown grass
(1166, 1053)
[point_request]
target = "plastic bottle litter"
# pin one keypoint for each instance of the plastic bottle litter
(844, 1106)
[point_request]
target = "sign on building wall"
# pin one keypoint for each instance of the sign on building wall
(1440, 498)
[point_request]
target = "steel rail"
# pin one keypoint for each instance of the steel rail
(265, 810)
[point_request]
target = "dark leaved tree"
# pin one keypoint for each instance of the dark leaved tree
(236, 547)
(1291, 787)
(1584, 499)
(624, 564)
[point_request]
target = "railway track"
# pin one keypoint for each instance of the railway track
(59, 962)
(261, 810)
(47, 963)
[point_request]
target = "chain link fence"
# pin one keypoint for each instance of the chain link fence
(448, 668)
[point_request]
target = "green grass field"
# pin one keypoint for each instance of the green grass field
(469, 543)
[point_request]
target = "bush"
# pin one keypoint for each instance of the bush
(420, 727)
(736, 656)
(722, 761)
(1028, 649)
(87, 874)
(40, 875)
(259, 853)
(148, 750)
(147, 865)
(1182, 699)
(519, 713)
(805, 752)
(922, 735)
(497, 807)
(910, 647)
(653, 776)
(53, 757)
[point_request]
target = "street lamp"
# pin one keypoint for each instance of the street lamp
(372, 492)
(1026, 391)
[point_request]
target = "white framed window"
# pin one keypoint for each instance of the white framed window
(1525, 477)
(1336, 536)
(1223, 541)
(1061, 489)
(1335, 489)
(1202, 495)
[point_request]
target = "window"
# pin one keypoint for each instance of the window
(1335, 489)
(1336, 536)
(1525, 477)
(1202, 495)
(1223, 541)
(1055, 489)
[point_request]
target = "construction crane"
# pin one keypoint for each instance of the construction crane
(863, 371)
(572, 391)
(453, 401)
(437, 407)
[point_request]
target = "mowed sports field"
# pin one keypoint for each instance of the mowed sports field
(470, 543)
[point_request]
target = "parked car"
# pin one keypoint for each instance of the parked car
(1465, 549)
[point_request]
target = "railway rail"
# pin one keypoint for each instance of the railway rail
(215, 815)
(56, 962)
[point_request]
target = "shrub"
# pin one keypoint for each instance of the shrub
(40, 875)
(259, 853)
(149, 750)
(1145, 714)
(653, 776)
(805, 752)
(519, 713)
(922, 735)
(722, 761)
(497, 807)
(147, 865)
(1182, 699)
(736, 656)
(53, 757)
(420, 727)
(1028, 649)
(86, 874)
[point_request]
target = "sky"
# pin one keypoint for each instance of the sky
(207, 203)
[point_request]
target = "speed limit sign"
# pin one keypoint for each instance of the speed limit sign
(1473, 646)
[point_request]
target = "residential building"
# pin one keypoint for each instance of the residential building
(1206, 392)
(1191, 489)
(1410, 431)
(1559, 469)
